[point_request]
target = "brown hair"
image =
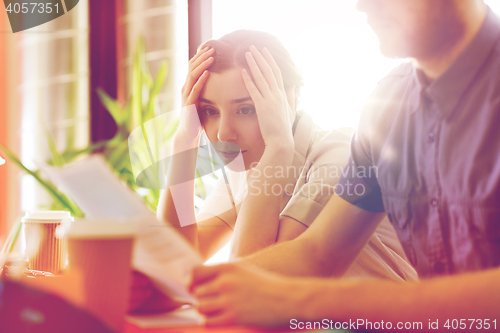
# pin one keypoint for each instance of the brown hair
(230, 52)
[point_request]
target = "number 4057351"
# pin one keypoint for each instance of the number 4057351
(478, 324)
(33, 7)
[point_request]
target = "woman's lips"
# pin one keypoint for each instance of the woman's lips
(230, 154)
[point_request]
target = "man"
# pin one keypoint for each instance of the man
(429, 135)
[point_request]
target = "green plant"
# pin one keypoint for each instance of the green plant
(138, 111)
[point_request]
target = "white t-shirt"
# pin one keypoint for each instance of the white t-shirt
(319, 160)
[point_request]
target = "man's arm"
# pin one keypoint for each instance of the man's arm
(467, 296)
(327, 247)
(239, 294)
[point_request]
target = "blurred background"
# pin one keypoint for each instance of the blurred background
(49, 74)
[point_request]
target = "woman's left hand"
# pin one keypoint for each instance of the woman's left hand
(274, 113)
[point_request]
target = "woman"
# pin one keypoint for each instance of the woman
(242, 90)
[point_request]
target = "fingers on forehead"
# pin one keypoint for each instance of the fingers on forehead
(270, 60)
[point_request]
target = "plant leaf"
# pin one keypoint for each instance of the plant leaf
(51, 189)
(57, 159)
(155, 90)
(113, 107)
(70, 154)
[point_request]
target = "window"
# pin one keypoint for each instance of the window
(53, 93)
(330, 42)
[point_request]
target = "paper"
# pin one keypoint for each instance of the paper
(182, 316)
(159, 251)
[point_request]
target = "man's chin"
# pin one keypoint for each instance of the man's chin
(393, 51)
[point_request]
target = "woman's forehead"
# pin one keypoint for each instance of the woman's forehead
(225, 86)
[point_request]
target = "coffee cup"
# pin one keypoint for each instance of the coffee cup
(44, 250)
(101, 252)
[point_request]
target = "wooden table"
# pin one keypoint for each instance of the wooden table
(131, 328)
(187, 320)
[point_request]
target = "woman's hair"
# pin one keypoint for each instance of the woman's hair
(230, 52)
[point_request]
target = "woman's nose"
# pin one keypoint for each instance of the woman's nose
(226, 132)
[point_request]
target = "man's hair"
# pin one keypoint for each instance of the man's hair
(230, 52)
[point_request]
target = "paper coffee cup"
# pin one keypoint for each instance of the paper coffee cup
(101, 251)
(44, 250)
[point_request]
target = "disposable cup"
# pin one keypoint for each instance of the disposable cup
(44, 250)
(101, 251)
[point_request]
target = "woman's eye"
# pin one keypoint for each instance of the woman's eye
(211, 112)
(246, 111)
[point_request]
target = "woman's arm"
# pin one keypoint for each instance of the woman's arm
(176, 204)
(258, 221)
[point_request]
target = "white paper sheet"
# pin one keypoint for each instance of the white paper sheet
(159, 251)
(182, 316)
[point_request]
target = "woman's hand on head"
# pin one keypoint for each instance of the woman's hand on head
(189, 125)
(267, 91)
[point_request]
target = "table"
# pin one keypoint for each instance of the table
(175, 323)
(185, 320)
(131, 328)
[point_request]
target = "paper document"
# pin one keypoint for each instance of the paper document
(159, 251)
(178, 317)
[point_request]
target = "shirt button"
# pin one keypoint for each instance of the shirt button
(439, 267)
(431, 138)
(434, 202)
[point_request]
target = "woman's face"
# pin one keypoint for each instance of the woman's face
(228, 116)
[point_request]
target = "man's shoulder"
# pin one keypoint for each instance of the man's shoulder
(379, 112)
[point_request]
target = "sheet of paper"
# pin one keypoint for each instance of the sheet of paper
(182, 316)
(159, 250)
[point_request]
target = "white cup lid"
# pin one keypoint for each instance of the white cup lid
(92, 229)
(47, 216)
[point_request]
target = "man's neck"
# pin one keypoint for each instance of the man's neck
(436, 65)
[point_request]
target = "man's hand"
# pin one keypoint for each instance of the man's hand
(240, 294)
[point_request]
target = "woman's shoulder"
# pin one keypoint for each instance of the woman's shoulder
(324, 141)
(307, 128)
(343, 134)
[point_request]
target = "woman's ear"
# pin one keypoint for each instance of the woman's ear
(292, 98)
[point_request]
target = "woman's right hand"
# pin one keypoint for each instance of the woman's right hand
(190, 125)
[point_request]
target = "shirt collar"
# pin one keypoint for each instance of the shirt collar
(447, 90)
